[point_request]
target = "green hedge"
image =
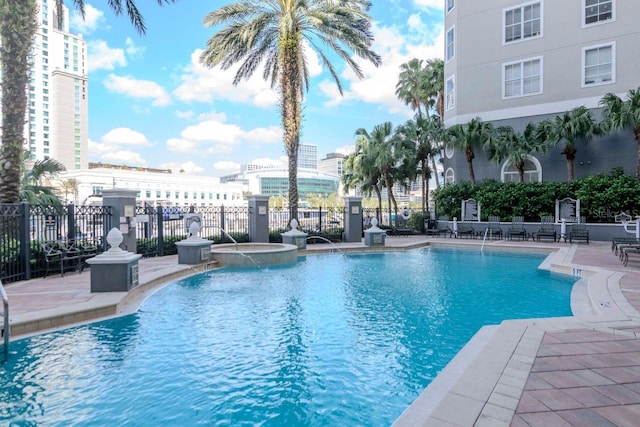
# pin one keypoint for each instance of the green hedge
(601, 197)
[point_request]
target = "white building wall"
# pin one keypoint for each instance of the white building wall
(481, 54)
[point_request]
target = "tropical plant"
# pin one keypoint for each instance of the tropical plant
(619, 114)
(419, 136)
(276, 34)
(468, 138)
(360, 171)
(70, 187)
(571, 127)
(423, 86)
(34, 188)
(18, 27)
(388, 154)
(514, 146)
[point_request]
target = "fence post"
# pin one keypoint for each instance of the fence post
(71, 223)
(159, 213)
(320, 220)
(25, 240)
(222, 225)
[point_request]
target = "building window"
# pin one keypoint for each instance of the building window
(448, 150)
(450, 51)
(450, 93)
(598, 11)
(598, 65)
(449, 176)
(532, 171)
(450, 5)
(523, 22)
(522, 78)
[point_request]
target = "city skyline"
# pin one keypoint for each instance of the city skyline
(152, 104)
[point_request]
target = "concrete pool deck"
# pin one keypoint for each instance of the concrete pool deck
(572, 371)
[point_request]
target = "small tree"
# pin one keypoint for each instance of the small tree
(619, 114)
(508, 144)
(468, 138)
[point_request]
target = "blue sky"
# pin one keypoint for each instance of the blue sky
(152, 104)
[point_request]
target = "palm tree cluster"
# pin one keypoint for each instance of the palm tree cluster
(386, 156)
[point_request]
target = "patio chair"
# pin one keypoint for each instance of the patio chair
(493, 229)
(53, 256)
(433, 228)
(578, 232)
(517, 228)
(400, 227)
(547, 229)
(71, 255)
(465, 229)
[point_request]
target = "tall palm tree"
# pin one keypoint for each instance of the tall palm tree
(421, 134)
(571, 127)
(468, 138)
(412, 85)
(360, 171)
(619, 114)
(508, 144)
(422, 86)
(276, 33)
(17, 30)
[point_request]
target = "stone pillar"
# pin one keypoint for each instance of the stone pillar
(374, 236)
(259, 219)
(295, 236)
(114, 270)
(352, 219)
(123, 205)
(194, 250)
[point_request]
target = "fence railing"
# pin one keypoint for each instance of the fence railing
(24, 228)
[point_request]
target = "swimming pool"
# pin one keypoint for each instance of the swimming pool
(339, 339)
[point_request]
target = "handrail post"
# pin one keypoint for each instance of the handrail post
(6, 327)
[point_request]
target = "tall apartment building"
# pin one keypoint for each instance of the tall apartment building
(57, 116)
(511, 62)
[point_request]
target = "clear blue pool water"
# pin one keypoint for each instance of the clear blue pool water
(336, 340)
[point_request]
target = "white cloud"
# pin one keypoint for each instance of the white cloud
(431, 4)
(93, 19)
(179, 145)
(189, 167)
(126, 157)
(205, 85)
(125, 136)
(102, 57)
(135, 88)
(269, 135)
(132, 49)
(395, 49)
(227, 167)
(276, 163)
(187, 115)
(345, 149)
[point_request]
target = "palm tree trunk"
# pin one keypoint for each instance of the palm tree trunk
(570, 154)
(472, 175)
(435, 171)
(290, 106)
(425, 185)
(17, 30)
(379, 196)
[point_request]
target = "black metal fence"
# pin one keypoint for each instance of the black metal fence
(24, 227)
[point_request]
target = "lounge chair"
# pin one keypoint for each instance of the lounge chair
(493, 229)
(433, 228)
(465, 229)
(517, 228)
(547, 229)
(578, 232)
(400, 227)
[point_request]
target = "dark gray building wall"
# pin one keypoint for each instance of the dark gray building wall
(600, 155)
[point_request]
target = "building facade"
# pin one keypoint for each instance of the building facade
(511, 62)
(57, 115)
(153, 186)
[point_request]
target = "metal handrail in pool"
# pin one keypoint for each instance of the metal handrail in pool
(5, 325)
